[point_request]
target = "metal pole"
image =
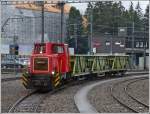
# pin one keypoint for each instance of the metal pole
(91, 29)
(14, 43)
(14, 56)
(42, 39)
(111, 46)
(144, 47)
(75, 36)
(133, 42)
(62, 20)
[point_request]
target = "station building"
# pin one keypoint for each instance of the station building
(123, 44)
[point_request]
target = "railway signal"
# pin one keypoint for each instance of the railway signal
(14, 49)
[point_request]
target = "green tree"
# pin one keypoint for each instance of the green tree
(146, 18)
(76, 31)
(107, 16)
(75, 19)
(138, 18)
(131, 12)
(139, 10)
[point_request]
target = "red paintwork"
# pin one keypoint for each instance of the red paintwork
(57, 62)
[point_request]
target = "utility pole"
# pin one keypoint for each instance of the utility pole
(91, 31)
(133, 42)
(75, 37)
(144, 46)
(61, 4)
(15, 38)
(111, 45)
(42, 6)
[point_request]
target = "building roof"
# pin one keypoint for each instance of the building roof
(47, 7)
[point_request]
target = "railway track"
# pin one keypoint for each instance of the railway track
(10, 79)
(83, 105)
(30, 102)
(10, 76)
(29, 106)
(18, 102)
(120, 93)
(12, 70)
(17, 78)
(130, 95)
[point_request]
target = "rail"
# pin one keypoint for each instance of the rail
(127, 103)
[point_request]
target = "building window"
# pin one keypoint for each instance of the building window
(137, 44)
(141, 44)
(146, 44)
(107, 43)
(117, 43)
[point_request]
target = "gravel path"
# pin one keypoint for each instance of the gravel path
(102, 100)
(11, 91)
(139, 90)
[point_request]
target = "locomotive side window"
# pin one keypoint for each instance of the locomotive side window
(57, 49)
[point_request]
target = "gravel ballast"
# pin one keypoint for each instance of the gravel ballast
(60, 102)
(140, 90)
(11, 91)
(63, 100)
(100, 97)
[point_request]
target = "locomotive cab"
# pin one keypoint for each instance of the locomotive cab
(49, 63)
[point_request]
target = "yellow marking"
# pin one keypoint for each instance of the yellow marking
(25, 74)
(57, 74)
(25, 84)
(23, 81)
(56, 83)
(24, 78)
(58, 78)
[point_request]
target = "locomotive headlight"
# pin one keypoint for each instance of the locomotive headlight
(53, 72)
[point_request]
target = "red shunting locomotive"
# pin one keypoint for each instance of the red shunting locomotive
(48, 62)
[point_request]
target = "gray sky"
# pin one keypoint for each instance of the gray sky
(82, 6)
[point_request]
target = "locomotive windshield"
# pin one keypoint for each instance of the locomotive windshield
(40, 48)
